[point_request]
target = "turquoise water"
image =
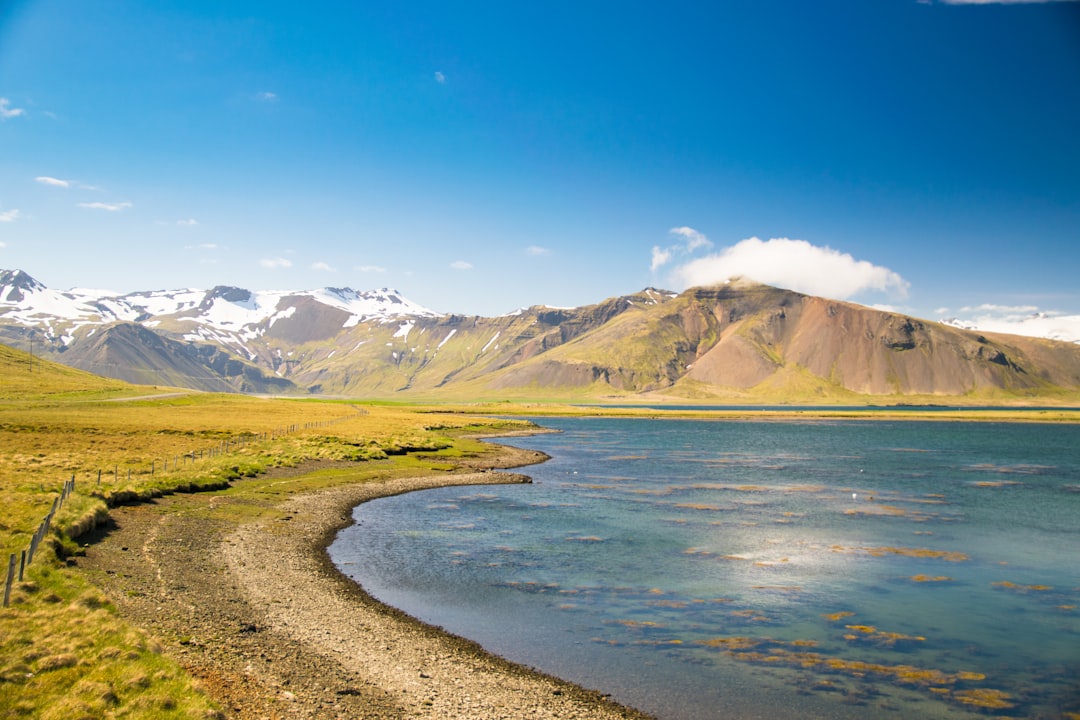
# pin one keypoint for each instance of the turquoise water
(700, 569)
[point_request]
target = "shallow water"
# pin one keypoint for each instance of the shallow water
(696, 569)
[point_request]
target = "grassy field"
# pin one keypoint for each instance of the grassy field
(64, 650)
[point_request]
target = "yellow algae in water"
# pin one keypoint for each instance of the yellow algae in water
(930, 578)
(638, 623)
(1021, 588)
(889, 639)
(879, 637)
(838, 616)
(967, 675)
(949, 555)
(984, 698)
(667, 603)
(734, 643)
(867, 629)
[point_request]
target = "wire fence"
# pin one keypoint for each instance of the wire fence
(17, 562)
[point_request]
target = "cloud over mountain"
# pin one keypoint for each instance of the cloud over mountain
(793, 264)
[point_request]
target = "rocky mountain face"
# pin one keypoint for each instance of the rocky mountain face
(738, 341)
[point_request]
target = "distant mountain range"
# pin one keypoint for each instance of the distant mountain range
(741, 341)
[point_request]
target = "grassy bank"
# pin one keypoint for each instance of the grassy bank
(64, 650)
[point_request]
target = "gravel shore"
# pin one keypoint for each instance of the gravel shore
(260, 615)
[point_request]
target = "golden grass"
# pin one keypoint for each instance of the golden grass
(64, 650)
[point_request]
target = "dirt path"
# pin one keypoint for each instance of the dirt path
(272, 630)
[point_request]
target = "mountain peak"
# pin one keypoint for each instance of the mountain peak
(14, 284)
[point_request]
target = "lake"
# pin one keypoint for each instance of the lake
(819, 569)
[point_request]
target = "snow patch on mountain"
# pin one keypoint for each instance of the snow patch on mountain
(225, 315)
(1052, 326)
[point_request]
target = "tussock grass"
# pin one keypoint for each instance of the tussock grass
(64, 650)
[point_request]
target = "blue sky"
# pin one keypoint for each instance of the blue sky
(485, 156)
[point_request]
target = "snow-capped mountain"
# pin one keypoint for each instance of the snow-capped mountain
(1065, 328)
(222, 314)
(740, 341)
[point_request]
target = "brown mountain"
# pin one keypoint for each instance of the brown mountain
(741, 341)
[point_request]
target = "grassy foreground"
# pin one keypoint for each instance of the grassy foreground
(64, 650)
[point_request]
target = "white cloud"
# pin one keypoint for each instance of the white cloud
(3, 244)
(1001, 309)
(660, 257)
(694, 239)
(9, 215)
(792, 264)
(440, 78)
(6, 111)
(267, 97)
(54, 182)
(275, 263)
(190, 222)
(370, 269)
(111, 207)
(461, 265)
(322, 267)
(57, 182)
(687, 240)
(536, 250)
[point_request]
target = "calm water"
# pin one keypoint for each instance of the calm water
(760, 570)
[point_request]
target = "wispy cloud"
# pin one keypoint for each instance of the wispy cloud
(9, 215)
(685, 240)
(266, 97)
(53, 182)
(275, 263)
(7, 112)
(60, 183)
(370, 269)
(792, 264)
(322, 267)
(111, 207)
(190, 222)
(461, 265)
(440, 78)
(3, 244)
(536, 251)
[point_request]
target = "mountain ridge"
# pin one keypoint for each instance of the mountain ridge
(739, 341)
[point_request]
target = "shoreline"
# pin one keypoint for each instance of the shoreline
(261, 616)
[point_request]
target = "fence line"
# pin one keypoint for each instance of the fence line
(17, 562)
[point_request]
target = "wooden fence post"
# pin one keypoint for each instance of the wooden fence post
(10, 579)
